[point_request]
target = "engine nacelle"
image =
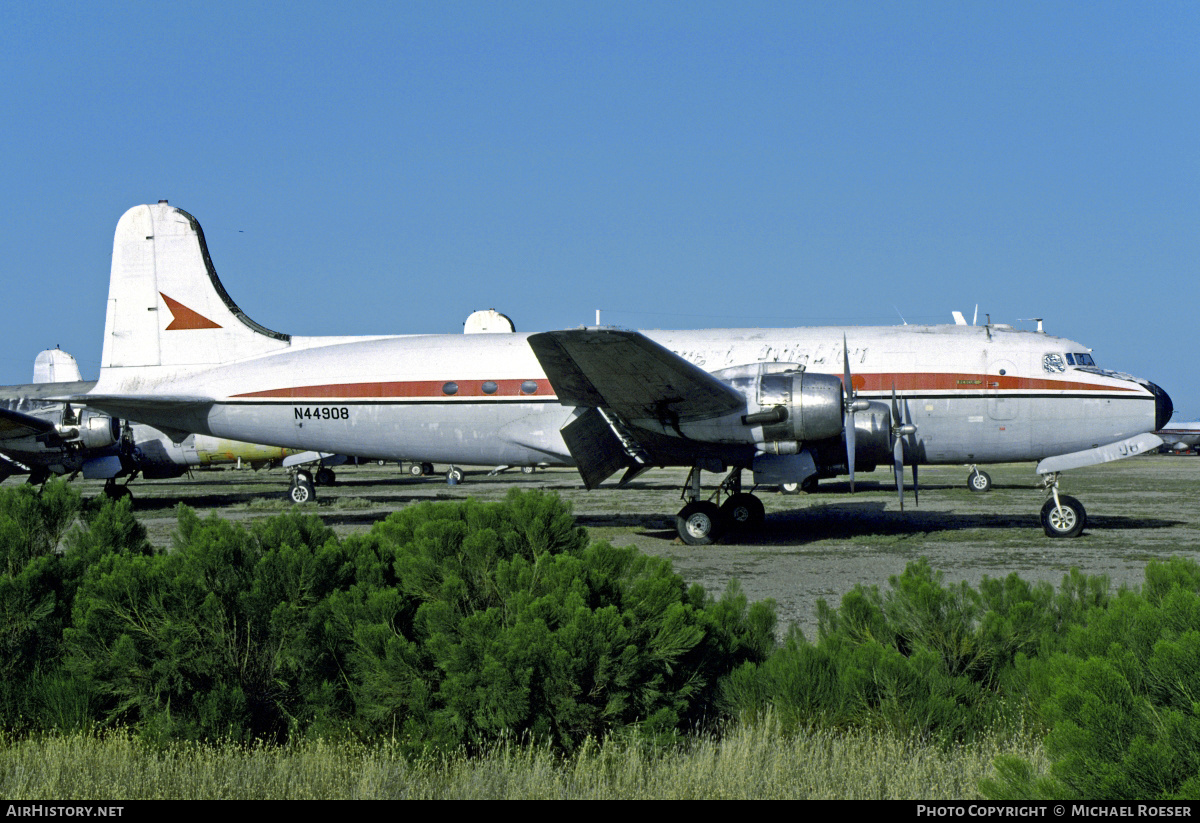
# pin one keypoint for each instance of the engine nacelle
(787, 405)
(93, 431)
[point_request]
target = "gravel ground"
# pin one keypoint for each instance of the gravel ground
(812, 547)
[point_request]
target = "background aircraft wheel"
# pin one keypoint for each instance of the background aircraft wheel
(454, 476)
(809, 485)
(789, 488)
(1067, 522)
(302, 491)
(326, 477)
(416, 470)
(699, 523)
(743, 512)
(527, 470)
(978, 481)
(427, 468)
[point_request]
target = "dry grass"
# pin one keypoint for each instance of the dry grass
(753, 761)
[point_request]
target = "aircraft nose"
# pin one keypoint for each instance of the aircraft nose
(1163, 407)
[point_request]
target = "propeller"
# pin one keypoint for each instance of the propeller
(852, 404)
(903, 428)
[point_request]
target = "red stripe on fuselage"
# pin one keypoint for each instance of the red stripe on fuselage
(410, 389)
(940, 381)
(902, 382)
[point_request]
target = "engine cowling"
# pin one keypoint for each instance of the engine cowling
(93, 431)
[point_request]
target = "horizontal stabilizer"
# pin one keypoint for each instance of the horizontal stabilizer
(1130, 446)
(631, 375)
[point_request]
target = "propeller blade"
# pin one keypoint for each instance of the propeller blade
(848, 395)
(912, 452)
(898, 468)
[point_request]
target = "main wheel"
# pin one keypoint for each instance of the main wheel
(302, 491)
(527, 470)
(427, 468)
(978, 481)
(789, 488)
(743, 512)
(699, 523)
(326, 477)
(416, 470)
(454, 476)
(1066, 520)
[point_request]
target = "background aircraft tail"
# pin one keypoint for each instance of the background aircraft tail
(166, 305)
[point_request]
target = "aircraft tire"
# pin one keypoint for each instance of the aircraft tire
(700, 523)
(416, 470)
(979, 482)
(302, 491)
(454, 476)
(427, 468)
(326, 477)
(527, 470)
(743, 512)
(789, 488)
(1070, 522)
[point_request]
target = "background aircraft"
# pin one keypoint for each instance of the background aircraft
(41, 436)
(786, 404)
(1181, 436)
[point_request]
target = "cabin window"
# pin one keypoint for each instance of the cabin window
(529, 387)
(489, 387)
(450, 388)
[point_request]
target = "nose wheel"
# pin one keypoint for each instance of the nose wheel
(1062, 515)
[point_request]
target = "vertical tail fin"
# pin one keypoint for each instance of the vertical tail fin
(55, 366)
(166, 305)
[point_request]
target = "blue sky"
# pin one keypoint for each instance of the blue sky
(380, 168)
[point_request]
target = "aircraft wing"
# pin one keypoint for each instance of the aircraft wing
(631, 375)
(15, 425)
(622, 377)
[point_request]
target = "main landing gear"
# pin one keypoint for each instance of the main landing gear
(702, 522)
(117, 491)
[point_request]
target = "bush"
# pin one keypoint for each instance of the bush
(504, 622)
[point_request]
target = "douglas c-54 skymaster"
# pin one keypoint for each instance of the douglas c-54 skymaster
(787, 404)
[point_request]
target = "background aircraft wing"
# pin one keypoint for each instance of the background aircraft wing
(15, 425)
(631, 375)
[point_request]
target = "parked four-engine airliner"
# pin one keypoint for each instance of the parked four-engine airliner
(787, 404)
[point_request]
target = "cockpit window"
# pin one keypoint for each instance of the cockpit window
(1053, 362)
(1080, 359)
